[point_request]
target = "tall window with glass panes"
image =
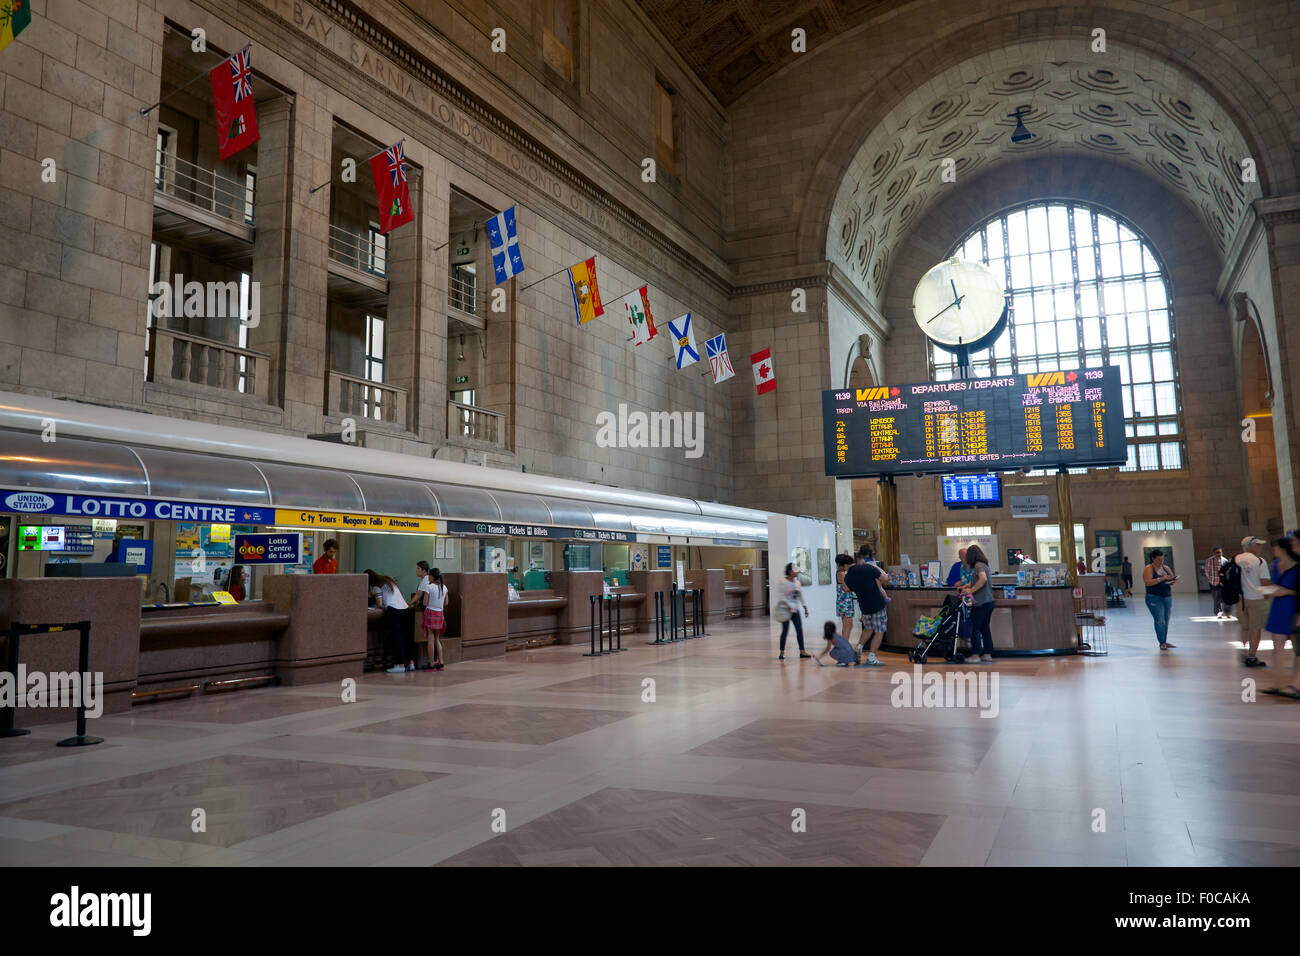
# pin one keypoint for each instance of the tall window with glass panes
(1086, 291)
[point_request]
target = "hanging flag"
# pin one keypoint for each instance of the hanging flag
(637, 304)
(683, 340)
(586, 294)
(15, 16)
(232, 97)
(764, 373)
(719, 360)
(389, 170)
(505, 245)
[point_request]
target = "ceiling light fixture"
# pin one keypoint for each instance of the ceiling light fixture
(461, 357)
(1020, 134)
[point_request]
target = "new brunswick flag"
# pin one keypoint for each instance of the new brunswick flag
(389, 169)
(586, 294)
(15, 15)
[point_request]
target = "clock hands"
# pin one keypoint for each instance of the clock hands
(956, 299)
(956, 302)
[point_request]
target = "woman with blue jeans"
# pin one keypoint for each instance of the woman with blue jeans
(980, 589)
(1160, 600)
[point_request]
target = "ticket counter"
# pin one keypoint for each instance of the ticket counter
(1039, 620)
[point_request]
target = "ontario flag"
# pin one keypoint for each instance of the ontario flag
(764, 373)
(15, 17)
(232, 96)
(389, 169)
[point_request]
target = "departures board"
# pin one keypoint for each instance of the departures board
(1035, 420)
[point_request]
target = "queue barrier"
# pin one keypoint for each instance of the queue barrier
(671, 624)
(606, 615)
(9, 714)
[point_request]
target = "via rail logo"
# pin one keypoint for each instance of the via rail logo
(28, 502)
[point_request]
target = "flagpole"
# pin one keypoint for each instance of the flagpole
(147, 109)
(331, 179)
(544, 278)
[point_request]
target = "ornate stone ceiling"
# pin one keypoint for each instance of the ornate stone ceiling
(1161, 123)
(733, 45)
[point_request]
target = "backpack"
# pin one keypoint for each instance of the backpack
(1230, 581)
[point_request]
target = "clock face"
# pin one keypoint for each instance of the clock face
(958, 302)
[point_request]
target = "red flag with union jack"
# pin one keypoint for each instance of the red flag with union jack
(389, 168)
(232, 95)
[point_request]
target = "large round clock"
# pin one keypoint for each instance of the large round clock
(960, 305)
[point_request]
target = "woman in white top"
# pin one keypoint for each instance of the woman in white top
(384, 593)
(792, 596)
(435, 597)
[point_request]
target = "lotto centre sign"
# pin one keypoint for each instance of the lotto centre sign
(88, 506)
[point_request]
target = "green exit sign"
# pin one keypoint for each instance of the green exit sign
(463, 251)
(462, 379)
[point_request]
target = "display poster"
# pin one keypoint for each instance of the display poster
(823, 565)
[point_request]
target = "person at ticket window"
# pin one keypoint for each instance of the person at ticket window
(958, 573)
(327, 563)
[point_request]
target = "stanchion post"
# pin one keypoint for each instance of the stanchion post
(82, 739)
(591, 625)
(10, 713)
(618, 610)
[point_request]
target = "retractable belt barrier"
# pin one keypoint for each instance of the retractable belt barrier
(606, 614)
(671, 624)
(8, 714)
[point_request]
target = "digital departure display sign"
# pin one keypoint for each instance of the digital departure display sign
(1035, 420)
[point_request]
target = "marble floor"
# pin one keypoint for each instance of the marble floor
(708, 752)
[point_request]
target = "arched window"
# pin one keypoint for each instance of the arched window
(1086, 291)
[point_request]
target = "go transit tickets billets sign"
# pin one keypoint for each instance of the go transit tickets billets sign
(95, 506)
(1070, 418)
(283, 548)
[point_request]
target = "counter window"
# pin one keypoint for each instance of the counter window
(1048, 539)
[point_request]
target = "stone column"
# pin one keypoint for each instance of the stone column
(1282, 224)
(429, 404)
(290, 253)
(402, 328)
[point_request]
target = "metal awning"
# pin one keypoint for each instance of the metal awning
(103, 468)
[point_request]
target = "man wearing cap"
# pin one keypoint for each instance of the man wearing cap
(1212, 565)
(1254, 604)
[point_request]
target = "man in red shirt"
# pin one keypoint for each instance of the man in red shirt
(327, 563)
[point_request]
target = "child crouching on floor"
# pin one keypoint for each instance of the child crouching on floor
(838, 647)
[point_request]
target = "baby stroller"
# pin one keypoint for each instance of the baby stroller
(937, 636)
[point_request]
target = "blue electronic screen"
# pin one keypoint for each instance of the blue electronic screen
(972, 491)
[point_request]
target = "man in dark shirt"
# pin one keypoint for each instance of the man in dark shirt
(866, 581)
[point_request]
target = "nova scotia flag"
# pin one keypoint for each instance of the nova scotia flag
(504, 239)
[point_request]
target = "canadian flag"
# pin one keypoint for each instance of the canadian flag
(764, 374)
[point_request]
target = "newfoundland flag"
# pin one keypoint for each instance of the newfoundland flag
(389, 168)
(232, 95)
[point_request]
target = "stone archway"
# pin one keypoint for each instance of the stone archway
(1263, 494)
(1167, 71)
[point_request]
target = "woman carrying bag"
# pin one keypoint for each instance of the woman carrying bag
(787, 611)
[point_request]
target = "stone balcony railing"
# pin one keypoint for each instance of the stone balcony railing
(473, 425)
(363, 399)
(185, 359)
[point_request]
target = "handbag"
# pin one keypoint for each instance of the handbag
(782, 612)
